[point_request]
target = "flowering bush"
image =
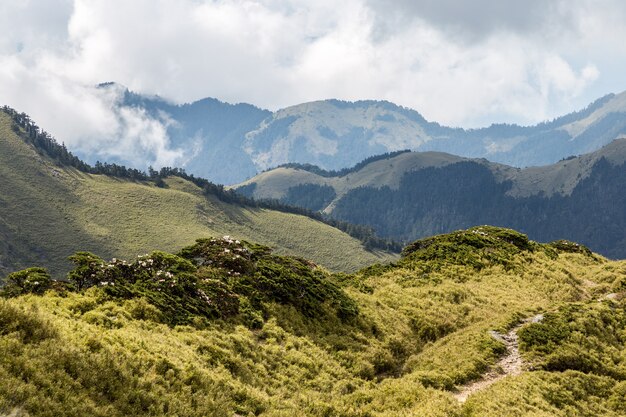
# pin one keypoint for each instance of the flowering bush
(31, 280)
(217, 278)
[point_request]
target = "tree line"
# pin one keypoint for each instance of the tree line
(314, 169)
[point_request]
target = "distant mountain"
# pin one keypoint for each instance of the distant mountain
(211, 131)
(52, 205)
(335, 134)
(409, 195)
(230, 143)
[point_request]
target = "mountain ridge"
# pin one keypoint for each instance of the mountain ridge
(224, 327)
(336, 134)
(415, 194)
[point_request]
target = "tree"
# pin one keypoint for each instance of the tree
(32, 280)
(88, 269)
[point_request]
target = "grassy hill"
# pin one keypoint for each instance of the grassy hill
(49, 211)
(228, 329)
(416, 194)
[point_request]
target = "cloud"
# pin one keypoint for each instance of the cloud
(89, 120)
(460, 63)
(472, 21)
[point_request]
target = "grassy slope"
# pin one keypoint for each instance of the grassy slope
(559, 178)
(48, 212)
(422, 329)
(385, 172)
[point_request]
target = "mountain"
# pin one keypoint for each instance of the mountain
(337, 134)
(51, 205)
(209, 130)
(407, 195)
(480, 322)
(334, 134)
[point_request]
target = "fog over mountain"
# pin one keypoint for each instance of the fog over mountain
(461, 65)
(229, 143)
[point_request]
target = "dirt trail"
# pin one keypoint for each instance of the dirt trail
(510, 364)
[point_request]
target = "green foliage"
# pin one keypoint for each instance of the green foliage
(546, 394)
(89, 270)
(546, 335)
(25, 325)
(32, 280)
(570, 247)
(250, 270)
(211, 279)
(589, 338)
(477, 247)
(227, 328)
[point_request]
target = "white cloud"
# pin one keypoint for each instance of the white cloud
(466, 66)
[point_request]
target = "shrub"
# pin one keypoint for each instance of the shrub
(31, 280)
(477, 247)
(87, 271)
(27, 325)
(570, 247)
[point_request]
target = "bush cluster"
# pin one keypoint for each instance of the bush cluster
(217, 278)
(477, 247)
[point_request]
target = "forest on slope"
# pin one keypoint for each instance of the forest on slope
(411, 195)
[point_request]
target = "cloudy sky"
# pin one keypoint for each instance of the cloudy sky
(461, 63)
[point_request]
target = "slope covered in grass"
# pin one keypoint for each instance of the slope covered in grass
(411, 195)
(48, 212)
(226, 328)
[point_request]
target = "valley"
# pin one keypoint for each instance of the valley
(278, 208)
(175, 303)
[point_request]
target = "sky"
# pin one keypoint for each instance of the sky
(460, 63)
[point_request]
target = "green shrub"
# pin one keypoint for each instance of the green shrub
(570, 247)
(477, 248)
(26, 325)
(209, 280)
(588, 337)
(28, 281)
(544, 336)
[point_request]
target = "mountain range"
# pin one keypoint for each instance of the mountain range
(409, 195)
(335, 134)
(176, 304)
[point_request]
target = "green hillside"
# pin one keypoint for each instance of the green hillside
(411, 195)
(48, 212)
(225, 328)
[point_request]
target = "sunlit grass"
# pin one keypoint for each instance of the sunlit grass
(420, 332)
(49, 212)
